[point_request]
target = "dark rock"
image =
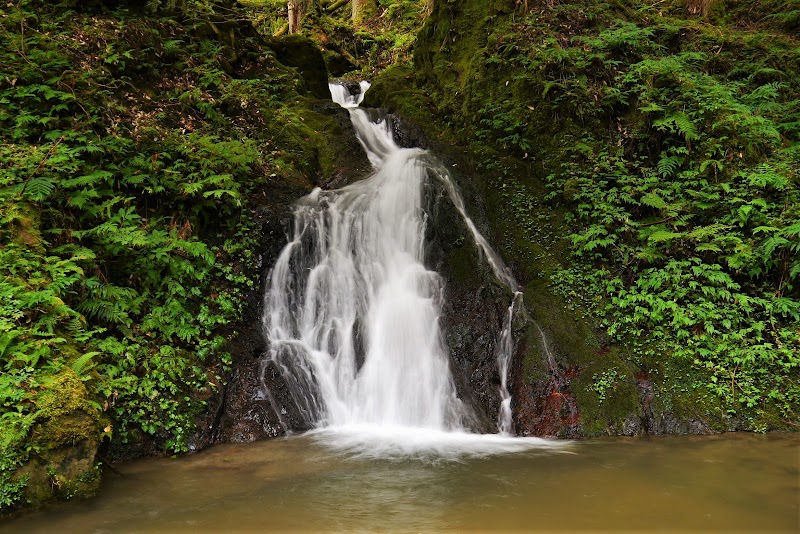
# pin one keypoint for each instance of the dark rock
(667, 423)
(303, 54)
(247, 413)
(632, 426)
(646, 395)
(475, 303)
(408, 135)
(338, 64)
(353, 86)
(352, 163)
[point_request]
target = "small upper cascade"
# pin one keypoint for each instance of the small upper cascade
(342, 96)
(375, 137)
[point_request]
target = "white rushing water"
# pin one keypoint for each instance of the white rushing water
(352, 313)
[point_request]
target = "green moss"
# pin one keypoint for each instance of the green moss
(24, 223)
(396, 90)
(68, 472)
(328, 146)
(62, 394)
(54, 449)
(607, 406)
(463, 269)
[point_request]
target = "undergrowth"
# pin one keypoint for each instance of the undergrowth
(383, 34)
(130, 150)
(672, 141)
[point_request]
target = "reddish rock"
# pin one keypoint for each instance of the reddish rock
(547, 408)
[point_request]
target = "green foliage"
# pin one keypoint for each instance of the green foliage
(671, 147)
(692, 217)
(129, 157)
(604, 382)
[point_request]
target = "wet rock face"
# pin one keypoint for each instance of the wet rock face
(353, 87)
(352, 163)
(256, 404)
(406, 134)
(656, 421)
(471, 324)
(475, 302)
(247, 414)
(240, 410)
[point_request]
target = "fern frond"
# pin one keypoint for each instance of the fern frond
(39, 188)
(654, 201)
(660, 236)
(91, 179)
(668, 165)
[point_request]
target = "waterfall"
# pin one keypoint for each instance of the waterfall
(504, 352)
(352, 315)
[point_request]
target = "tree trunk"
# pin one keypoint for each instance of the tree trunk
(294, 17)
(357, 5)
(700, 7)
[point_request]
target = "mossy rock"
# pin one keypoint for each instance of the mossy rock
(64, 440)
(303, 54)
(396, 90)
(63, 473)
(24, 226)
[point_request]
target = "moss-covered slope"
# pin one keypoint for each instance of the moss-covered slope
(640, 163)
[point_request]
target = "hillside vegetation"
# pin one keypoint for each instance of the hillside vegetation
(653, 182)
(140, 150)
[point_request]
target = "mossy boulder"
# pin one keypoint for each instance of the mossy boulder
(64, 441)
(304, 55)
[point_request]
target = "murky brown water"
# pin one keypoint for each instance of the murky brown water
(736, 482)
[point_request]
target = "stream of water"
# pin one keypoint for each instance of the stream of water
(737, 482)
(352, 314)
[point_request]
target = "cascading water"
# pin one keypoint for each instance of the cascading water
(505, 345)
(352, 314)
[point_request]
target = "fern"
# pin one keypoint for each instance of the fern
(93, 179)
(668, 165)
(84, 364)
(82, 198)
(678, 123)
(659, 236)
(654, 201)
(39, 188)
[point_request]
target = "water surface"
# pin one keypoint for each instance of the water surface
(738, 482)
